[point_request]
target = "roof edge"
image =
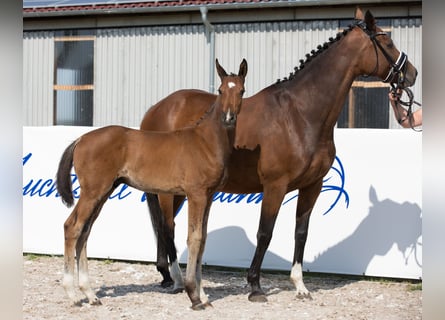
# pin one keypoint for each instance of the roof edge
(187, 6)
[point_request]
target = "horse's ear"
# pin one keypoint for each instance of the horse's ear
(243, 69)
(221, 72)
(370, 21)
(373, 196)
(358, 14)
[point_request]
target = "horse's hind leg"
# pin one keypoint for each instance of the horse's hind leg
(272, 199)
(74, 229)
(82, 259)
(71, 236)
(306, 200)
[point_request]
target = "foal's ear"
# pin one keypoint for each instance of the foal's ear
(221, 72)
(243, 69)
(370, 21)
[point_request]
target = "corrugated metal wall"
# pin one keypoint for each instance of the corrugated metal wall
(136, 67)
(38, 78)
(272, 49)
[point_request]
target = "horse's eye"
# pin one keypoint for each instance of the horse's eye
(219, 91)
(242, 92)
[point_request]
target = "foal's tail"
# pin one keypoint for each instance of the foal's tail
(64, 184)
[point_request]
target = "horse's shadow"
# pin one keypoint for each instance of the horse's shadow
(124, 289)
(388, 223)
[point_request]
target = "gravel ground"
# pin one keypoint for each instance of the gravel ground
(132, 291)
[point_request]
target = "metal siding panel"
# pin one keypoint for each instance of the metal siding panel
(38, 78)
(136, 67)
(272, 49)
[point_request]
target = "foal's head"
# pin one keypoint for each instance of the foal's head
(231, 92)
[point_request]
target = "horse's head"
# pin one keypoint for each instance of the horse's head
(384, 59)
(231, 92)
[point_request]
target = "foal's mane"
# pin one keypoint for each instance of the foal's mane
(320, 49)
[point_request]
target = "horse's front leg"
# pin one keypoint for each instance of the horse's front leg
(273, 195)
(306, 200)
(198, 208)
(157, 220)
(169, 205)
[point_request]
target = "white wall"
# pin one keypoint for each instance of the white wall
(367, 220)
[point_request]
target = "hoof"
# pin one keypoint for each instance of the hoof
(77, 303)
(201, 306)
(257, 297)
(167, 283)
(177, 290)
(96, 302)
(304, 296)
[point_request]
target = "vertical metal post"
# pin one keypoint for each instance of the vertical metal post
(210, 36)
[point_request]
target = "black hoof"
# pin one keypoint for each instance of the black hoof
(257, 297)
(166, 283)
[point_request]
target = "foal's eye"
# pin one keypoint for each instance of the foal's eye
(219, 91)
(242, 92)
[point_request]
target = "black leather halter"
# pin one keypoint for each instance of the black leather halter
(396, 72)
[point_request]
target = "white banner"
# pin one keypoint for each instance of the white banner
(367, 220)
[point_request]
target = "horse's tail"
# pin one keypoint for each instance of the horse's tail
(63, 178)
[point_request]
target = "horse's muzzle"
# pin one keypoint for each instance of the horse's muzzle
(229, 119)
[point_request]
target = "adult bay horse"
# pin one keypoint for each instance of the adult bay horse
(109, 156)
(300, 112)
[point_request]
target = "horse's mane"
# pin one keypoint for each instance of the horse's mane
(320, 49)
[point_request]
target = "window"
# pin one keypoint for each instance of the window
(74, 78)
(367, 104)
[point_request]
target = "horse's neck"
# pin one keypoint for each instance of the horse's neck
(324, 84)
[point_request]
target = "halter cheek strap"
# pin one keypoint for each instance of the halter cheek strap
(397, 68)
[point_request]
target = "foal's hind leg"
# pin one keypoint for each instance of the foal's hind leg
(71, 234)
(74, 229)
(82, 258)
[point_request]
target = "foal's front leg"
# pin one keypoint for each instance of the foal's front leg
(197, 227)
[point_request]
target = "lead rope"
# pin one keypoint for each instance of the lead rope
(395, 89)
